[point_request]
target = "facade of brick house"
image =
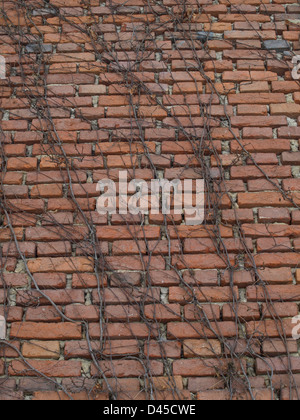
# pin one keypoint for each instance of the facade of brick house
(149, 306)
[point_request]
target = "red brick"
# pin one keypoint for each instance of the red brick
(13, 191)
(251, 172)
(285, 87)
(136, 263)
(27, 205)
(206, 261)
(281, 292)
(51, 280)
(43, 314)
(243, 311)
(254, 87)
(182, 330)
(286, 259)
(46, 191)
(29, 330)
(243, 215)
(85, 280)
(6, 236)
(14, 280)
(274, 245)
(82, 312)
(201, 278)
(253, 132)
(276, 275)
(123, 313)
(80, 349)
(170, 349)
(163, 313)
(242, 122)
(296, 217)
(194, 313)
(54, 234)
(201, 348)
(277, 346)
(92, 90)
(289, 395)
(257, 98)
(278, 365)
(163, 289)
(203, 384)
(164, 278)
(64, 265)
(250, 110)
(222, 395)
(290, 110)
(54, 249)
(41, 350)
(196, 367)
(128, 295)
(276, 230)
(59, 297)
(292, 158)
(289, 132)
(123, 331)
(203, 294)
(112, 233)
(12, 314)
(61, 396)
(278, 309)
(206, 246)
(127, 368)
(13, 178)
(153, 247)
(291, 184)
(60, 369)
(239, 278)
(273, 215)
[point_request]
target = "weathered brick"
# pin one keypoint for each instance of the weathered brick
(43, 314)
(163, 313)
(273, 215)
(64, 265)
(80, 349)
(193, 330)
(195, 367)
(277, 365)
(201, 348)
(127, 368)
(170, 349)
(281, 292)
(59, 297)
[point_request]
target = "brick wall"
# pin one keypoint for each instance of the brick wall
(148, 307)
